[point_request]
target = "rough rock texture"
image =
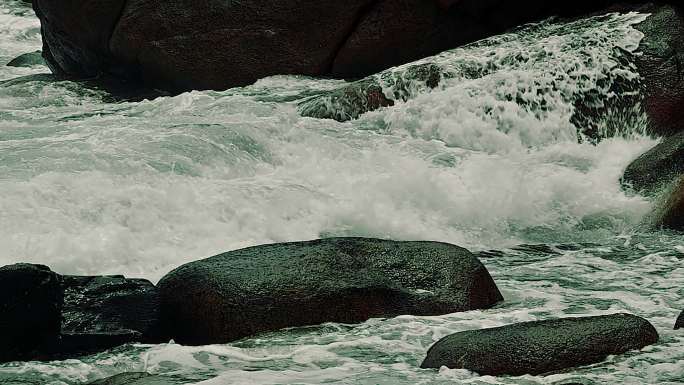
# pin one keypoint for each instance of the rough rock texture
(137, 378)
(542, 346)
(660, 93)
(106, 311)
(661, 65)
(28, 60)
(30, 303)
(680, 321)
(658, 167)
(214, 44)
(46, 316)
(670, 213)
(349, 280)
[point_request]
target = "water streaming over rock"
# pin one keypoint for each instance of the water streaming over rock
(490, 159)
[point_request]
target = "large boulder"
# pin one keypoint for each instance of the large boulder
(106, 311)
(658, 167)
(180, 45)
(659, 92)
(30, 304)
(661, 54)
(680, 321)
(542, 346)
(348, 280)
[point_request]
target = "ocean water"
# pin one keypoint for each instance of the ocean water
(490, 160)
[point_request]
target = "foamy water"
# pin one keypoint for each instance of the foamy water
(489, 160)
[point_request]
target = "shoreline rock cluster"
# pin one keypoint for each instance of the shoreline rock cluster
(246, 292)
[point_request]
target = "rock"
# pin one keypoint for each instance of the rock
(658, 167)
(680, 321)
(30, 302)
(660, 65)
(348, 280)
(179, 45)
(542, 346)
(137, 378)
(670, 214)
(107, 311)
(658, 93)
(28, 60)
(368, 94)
(47, 316)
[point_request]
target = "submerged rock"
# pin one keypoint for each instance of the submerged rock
(348, 280)
(680, 321)
(28, 60)
(542, 346)
(658, 167)
(137, 378)
(30, 304)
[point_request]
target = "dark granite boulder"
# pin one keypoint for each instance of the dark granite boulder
(658, 167)
(542, 346)
(181, 45)
(30, 304)
(680, 321)
(106, 311)
(660, 66)
(348, 280)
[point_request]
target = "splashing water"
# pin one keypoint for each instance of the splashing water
(488, 160)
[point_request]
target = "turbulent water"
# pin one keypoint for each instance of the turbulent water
(490, 160)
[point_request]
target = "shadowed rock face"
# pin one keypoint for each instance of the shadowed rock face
(680, 321)
(106, 311)
(180, 45)
(349, 280)
(30, 303)
(47, 316)
(670, 214)
(542, 346)
(657, 167)
(27, 60)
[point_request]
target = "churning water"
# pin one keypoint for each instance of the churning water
(489, 160)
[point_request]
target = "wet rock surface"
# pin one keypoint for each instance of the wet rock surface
(542, 346)
(30, 303)
(137, 378)
(180, 45)
(47, 316)
(348, 280)
(28, 60)
(669, 213)
(658, 167)
(680, 321)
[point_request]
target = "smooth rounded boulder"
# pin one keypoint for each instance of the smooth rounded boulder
(542, 346)
(348, 280)
(30, 306)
